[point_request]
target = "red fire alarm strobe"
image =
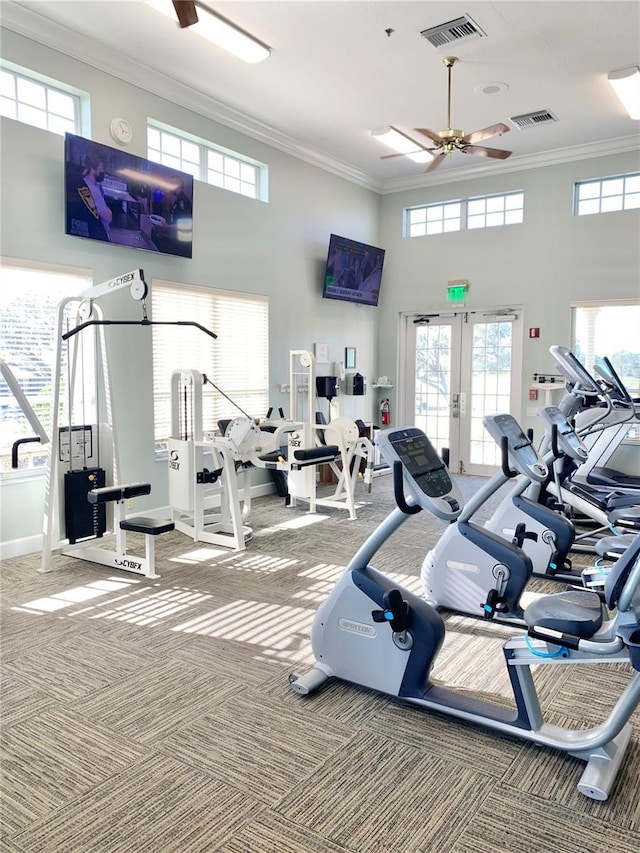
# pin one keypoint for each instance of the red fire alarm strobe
(534, 332)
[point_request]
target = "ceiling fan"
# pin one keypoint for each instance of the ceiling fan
(449, 140)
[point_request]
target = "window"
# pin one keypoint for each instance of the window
(38, 103)
(609, 329)
(28, 301)
(620, 192)
(207, 162)
(237, 361)
(466, 214)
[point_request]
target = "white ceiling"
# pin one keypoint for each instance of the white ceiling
(334, 74)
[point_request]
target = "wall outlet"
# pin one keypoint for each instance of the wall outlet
(130, 503)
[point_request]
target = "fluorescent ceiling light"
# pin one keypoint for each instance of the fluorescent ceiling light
(625, 82)
(219, 31)
(402, 144)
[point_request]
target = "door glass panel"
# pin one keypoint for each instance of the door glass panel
(461, 369)
(433, 382)
(490, 385)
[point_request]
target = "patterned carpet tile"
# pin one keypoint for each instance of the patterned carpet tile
(76, 665)
(21, 631)
(254, 746)
(268, 832)
(20, 700)
(465, 744)
(154, 806)
(249, 667)
(277, 630)
(337, 701)
(155, 701)
(590, 691)
(51, 759)
(553, 776)
(515, 822)
(377, 795)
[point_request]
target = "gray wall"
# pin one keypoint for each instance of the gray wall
(553, 258)
(277, 248)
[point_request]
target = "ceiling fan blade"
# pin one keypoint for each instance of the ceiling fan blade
(434, 137)
(186, 12)
(439, 158)
(407, 153)
(481, 151)
(486, 133)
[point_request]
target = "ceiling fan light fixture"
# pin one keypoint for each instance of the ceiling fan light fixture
(625, 82)
(402, 143)
(216, 29)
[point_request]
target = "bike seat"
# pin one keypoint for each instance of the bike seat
(577, 612)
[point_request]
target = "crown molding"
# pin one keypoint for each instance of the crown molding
(26, 21)
(516, 164)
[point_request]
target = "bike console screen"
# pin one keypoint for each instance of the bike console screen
(521, 451)
(568, 442)
(420, 459)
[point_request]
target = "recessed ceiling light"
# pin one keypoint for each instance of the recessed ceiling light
(491, 88)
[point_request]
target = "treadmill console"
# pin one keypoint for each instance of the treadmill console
(522, 454)
(617, 390)
(568, 441)
(576, 374)
(425, 476)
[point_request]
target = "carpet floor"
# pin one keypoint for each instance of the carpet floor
(156, 715)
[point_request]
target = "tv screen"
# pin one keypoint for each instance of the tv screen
(116, 197)
(353, 272)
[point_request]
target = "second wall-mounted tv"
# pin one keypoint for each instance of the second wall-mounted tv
(353, 272)
(116, 197)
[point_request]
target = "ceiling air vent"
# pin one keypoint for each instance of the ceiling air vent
(532, 119)
(461, 29)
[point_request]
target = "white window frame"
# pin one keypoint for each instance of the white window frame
(49, 116)
(590, 349)
(610, 194)
(207, 162)
(14, 344)
(465, 214)
(237, 361)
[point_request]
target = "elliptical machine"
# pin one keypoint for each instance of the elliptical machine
(376, 634)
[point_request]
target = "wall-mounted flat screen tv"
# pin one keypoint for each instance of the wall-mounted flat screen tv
(116, 197)
(353, 272)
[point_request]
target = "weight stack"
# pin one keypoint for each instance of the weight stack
(83, 520)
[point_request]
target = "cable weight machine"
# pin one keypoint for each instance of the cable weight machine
(85, 499)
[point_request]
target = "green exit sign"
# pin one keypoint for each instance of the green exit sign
(457, 290)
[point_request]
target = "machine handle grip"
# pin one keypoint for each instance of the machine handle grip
(504, 454)
(398, 491)
(557, 638)
(557, 453)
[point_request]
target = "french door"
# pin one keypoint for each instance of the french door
(459, 367)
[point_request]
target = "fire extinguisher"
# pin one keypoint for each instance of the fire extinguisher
(385, 412)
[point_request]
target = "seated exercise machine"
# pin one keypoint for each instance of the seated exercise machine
(545, 534)
(85, 499)
(209, 472)
(372, 632)
(484, 570)
(337, 444)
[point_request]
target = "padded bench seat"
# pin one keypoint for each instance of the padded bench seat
(145, 524)
(304, 456)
